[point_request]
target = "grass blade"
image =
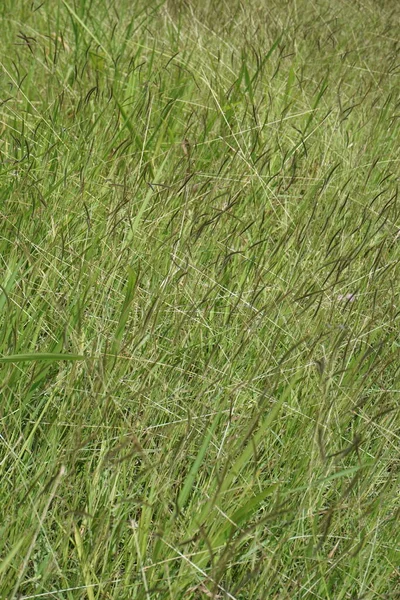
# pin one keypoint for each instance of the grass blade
(39, 357)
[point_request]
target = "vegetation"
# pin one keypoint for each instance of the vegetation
(199, 299)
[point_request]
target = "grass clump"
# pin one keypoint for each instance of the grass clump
(199, 349)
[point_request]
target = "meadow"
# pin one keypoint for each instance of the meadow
(199, 299)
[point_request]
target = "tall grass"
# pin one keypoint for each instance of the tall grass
(199, 300)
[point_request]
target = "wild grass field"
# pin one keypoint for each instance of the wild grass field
(199, 299)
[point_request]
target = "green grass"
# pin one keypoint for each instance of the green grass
(199, 299)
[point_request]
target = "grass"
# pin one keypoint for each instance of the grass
(199, 300)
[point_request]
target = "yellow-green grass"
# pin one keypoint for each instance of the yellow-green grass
(199, 301)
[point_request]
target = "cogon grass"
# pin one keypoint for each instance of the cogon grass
(198, 301)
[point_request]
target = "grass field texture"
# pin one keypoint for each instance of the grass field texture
(199, 299)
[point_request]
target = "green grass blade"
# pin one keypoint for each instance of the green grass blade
(191, 477)
(38, 357)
